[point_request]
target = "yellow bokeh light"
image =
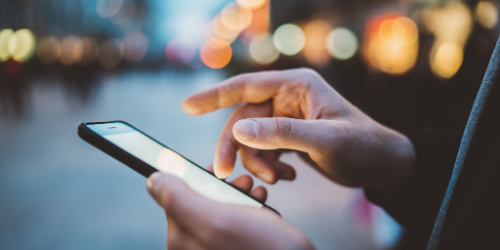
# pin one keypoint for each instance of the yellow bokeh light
(289, 39)
(48, 50)
(446, 58)
(486, 14)
(262, 49)
(342, 43)
(451, 22)
(21, 45)
(71, 50)
(5, 36)
(216, 53)
(251, 4)
(391, 44)
(315, 50)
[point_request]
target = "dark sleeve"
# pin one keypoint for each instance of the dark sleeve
(441, 113)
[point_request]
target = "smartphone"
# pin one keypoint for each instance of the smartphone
(146, 155)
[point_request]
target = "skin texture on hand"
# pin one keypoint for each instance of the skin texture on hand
(297, 110)
(196, 222)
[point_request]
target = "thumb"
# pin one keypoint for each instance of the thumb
(282, 133)
(181, 203)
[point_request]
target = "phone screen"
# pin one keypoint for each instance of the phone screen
(166, 160)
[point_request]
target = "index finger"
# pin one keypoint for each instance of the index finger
(252, 88)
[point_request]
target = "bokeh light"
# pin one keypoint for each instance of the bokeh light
(110, 53)
(251, 4)
(486, 14)
(48, 50)
(216, 53)
(90, 50)
(391, 44)
(398, 32)
(5, 36)
(450, 22)
(342, 43)
(259, 24)
(71, 50)
(135, 45)
(446, 59)
(180, 51)
(262, 49)
(315, 50)
(234, 18)
(108, 8)
(21, 45)
(289, 39)
(218, 30)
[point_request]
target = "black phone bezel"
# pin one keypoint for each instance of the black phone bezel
(131, 161)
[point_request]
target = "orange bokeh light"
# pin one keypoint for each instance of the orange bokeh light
(315, 50)
(259, 23)
(216, 53)
(71, 50)
(391, 44)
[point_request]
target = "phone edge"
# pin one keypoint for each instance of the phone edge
(110, 149)
(129, 160)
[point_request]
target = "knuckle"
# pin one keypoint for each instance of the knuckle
(283, 126)
(307, 70)
(222, 98)
(308, 73)
(309, 77)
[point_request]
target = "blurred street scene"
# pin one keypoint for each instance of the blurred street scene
(413, 65)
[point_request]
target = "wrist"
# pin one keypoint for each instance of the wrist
(396, 157)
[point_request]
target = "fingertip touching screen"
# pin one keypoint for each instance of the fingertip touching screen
(164, 159)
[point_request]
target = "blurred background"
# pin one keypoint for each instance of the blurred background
(413, 65)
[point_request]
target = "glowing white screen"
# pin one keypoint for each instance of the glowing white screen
(166, 160)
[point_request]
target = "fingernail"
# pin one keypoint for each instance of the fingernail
(246, 129)
(153, 181)
(265, 177)
(220, 173)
